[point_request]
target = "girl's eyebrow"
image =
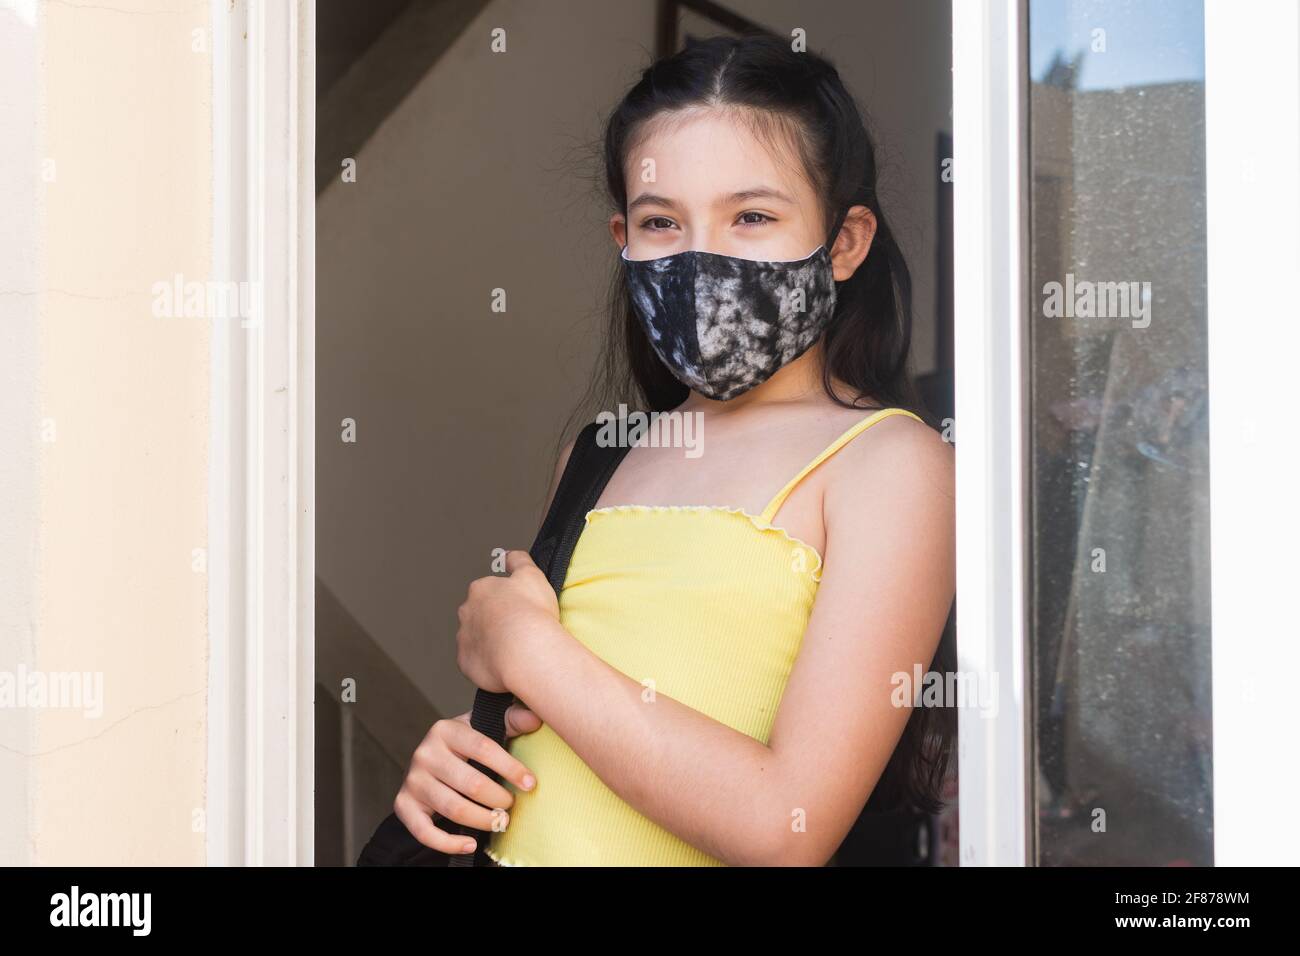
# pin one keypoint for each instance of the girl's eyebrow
(650, 199)
(755, 192)
(744, 195)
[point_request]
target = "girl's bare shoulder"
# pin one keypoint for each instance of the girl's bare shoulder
(896, 451)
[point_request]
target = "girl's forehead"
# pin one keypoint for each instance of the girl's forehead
(706, 148)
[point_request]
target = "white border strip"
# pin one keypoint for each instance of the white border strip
(302, 402)
(989, 139)
(1252, 145)
(226, 493)
(261, 486)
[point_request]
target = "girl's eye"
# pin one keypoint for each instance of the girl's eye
(761, 218)
(658, 222)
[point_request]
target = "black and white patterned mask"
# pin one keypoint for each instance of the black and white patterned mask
(723, 325)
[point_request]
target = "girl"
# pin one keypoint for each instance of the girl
(718, 683)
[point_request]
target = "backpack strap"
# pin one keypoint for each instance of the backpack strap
(774, 505)
(588, 470)
(585, 475)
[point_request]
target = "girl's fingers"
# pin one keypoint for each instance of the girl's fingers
(516, 559)
(521, 720)
(466, 742)
(456, 808)
(418, 821)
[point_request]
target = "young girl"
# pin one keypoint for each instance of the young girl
(719, 680)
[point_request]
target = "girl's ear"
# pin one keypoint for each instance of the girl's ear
(853, 242)
(618, 229)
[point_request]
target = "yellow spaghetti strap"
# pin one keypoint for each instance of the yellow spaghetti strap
(774, 505)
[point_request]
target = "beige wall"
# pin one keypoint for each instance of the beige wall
(108, 512)
(477, 181)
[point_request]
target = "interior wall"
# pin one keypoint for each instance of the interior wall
(479, 181)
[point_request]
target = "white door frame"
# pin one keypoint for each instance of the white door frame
(261, 548)
(1252, 147)
(990, 145)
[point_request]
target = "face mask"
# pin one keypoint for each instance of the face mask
(723, 325)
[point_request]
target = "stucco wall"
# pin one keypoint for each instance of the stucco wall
(110, 431)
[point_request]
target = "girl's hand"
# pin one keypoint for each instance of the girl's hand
(500, 613)
(440, 780)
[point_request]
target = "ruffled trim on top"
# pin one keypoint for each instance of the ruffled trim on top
(504, 861)
(755, 520)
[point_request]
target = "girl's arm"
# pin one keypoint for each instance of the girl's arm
(884, 597)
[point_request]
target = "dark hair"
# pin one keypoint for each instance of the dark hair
(791, 98)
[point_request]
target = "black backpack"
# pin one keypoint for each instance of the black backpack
(585, 475)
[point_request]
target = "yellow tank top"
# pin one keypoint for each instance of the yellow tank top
(703, 603)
